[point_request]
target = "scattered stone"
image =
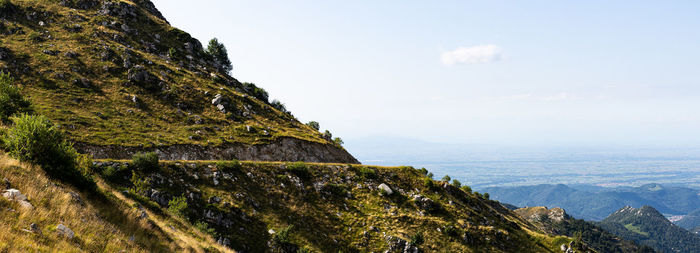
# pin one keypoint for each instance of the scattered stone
(34, 228)
(385, 189)
(14, 194)
(76, 197)
(65, 231)
(214, 200)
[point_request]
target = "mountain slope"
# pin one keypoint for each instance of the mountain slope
(99, 221)
(585, 234)
(596, 205)
(329, 208)
(119, 79)
(647, 226)
(690, 220)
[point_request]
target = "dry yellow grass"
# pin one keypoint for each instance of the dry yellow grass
(104, 222)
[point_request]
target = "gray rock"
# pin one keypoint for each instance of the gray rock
(214, 200)
(65, 231)
(14, 194)
(386, 189)
(35, 228)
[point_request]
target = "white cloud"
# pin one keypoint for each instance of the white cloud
(472, 55)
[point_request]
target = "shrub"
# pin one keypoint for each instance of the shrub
(140, 185)
(204, 227)
(172, 53)
(423, 171)
(178, 205)
(430, 175)
(427, 182)
(367, 173)
(446, 178)
(256, 92)
(34, 139)
(456, 183)
(284, 235)
(466, 189)
(218, 52)
(486, 195)
(315, 125)
(145, 162)
(417, 239)
(228, 166)
(300, 169)
(327, 134)
(11, 101)
(338, 141)
(5, 6)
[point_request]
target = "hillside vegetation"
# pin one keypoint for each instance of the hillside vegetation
(115, 73)
(647, 226)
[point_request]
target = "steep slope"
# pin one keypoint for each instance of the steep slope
(647, 226)
(98, 221)
(690, 220)
(596, 205)
(281, 207)
(119, 79)
(585, 234)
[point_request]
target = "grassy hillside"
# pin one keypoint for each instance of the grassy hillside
(586, 235)
(328, 207)
(647, 226)
(115, 73)
(102, 221)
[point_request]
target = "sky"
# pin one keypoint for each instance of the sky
(485, 72)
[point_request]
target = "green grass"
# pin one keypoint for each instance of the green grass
(160, 122)
(636, 229)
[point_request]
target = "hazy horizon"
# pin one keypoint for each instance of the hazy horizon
(495, 72)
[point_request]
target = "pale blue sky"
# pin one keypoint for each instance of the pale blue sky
(494, 72)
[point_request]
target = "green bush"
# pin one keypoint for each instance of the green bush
(145, 162)
(417, 239)
(456, 183)
(178, 206)
(428, 183)
(256, 92)
(466, 189)
(486, 195)
(315, 125)
(34, 139)
(300, 169)
(446, 178)
(228, 166)
(430, 175)
(338, 141)
(5, 5)
(367, 173)
(284, 235)
(11, 101)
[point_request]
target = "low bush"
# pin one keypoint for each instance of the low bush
(456, 183)
(466, 189)
(228, 166)
(446, 178)
(11, 101)
(34, 139)
(284, 235)
(145, 162)
(300, 169)
(428, 183)
(315, 125)
(367, 173)
(417, 239)
(178, 205)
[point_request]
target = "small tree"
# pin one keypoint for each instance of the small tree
(11, 101)
(456, 183)
(466, 189)
(327, 134)
(218, 51)
(446, 178)
(338, 141)
(315, 125)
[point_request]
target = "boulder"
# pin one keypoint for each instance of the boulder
(14, 194)
(65, 231)
(386, 189)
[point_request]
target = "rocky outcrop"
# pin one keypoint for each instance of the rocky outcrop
(284, 149)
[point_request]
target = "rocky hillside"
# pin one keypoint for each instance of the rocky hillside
(647, 226)
(586, 235)
(285, 207)
(119, 79)
(39, 214)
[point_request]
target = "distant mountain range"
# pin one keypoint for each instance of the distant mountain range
(648, 226)
(595, 203)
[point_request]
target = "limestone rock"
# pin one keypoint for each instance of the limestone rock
(65, 231)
